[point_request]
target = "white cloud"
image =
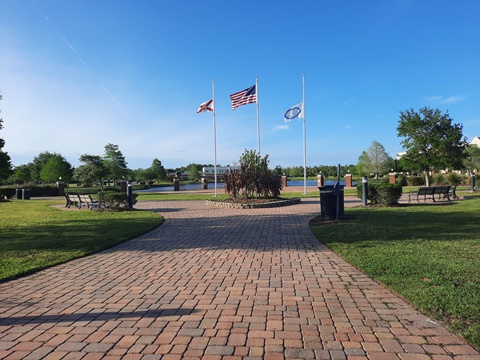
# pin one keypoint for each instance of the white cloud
(453, 99)
(445, 100)
(433, 98)
(281, 127)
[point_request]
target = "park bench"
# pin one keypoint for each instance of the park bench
(452, 193)
(72, 199)
(86, 200)
(429, 192)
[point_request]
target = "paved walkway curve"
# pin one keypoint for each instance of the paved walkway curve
(216, 283)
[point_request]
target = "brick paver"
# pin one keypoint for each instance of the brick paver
(216, 283)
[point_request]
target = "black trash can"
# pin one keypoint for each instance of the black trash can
(18, 194)
(328, 202)
(26, 194)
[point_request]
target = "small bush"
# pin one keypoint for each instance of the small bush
(439, 179)
(456, 179)
(402, 180)
(115, 200)
(253, 179)
(381, 193)
(415, 180)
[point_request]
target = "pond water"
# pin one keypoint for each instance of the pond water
(211, 185)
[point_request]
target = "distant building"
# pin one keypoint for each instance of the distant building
(182, 176)
(209, 172)
(475, 141)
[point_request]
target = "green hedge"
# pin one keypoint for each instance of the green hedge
(46, 190)
(381, 193)
(35, 190)
(416, 180)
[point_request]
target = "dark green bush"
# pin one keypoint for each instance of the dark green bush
(7, 191)
(402, 180)
(114, 200)
(381, 193)
(35, 190)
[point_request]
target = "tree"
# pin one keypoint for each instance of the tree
(295, 171)
(362, 164)
(193, 172)
(158, 170)
(115, 162)
(55, 168)
(22, 174)
(38, 162)
(431, 141)
(375, 160)
(93, 169)
(5, 166)
(472, 160)
(5, 161)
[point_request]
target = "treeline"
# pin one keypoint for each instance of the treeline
(312, 171)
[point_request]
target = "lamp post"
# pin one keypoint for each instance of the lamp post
(364, 190)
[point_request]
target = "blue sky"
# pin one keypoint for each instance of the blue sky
(76, 75)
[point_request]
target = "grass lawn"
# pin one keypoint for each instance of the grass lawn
(34, 235)
(430, 255)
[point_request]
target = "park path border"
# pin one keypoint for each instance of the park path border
(239, 205)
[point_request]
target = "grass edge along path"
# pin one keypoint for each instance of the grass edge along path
(429, 255)
(34, 235)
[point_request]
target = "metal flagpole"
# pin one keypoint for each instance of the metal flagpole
(214, 137)
(258, 116)
(304, 138)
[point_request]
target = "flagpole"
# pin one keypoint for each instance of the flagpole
(258, 116)
(304, 139)
(214, 137)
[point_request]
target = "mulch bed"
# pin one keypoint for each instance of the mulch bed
(318, 221)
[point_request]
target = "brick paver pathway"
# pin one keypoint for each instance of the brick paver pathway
(216, 283)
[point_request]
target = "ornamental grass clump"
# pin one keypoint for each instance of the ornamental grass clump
(253, 179)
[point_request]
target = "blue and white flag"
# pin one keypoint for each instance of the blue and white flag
(295, 112)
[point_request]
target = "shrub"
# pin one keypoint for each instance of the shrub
(270, 184)
(381, 193)
(35, 190)
(402, 180)
(253, 178)
(115, 200)
(439, 179)
(415, 180)
(456, 179)
(231, 183)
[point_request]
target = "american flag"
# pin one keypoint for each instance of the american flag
(247, 96)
